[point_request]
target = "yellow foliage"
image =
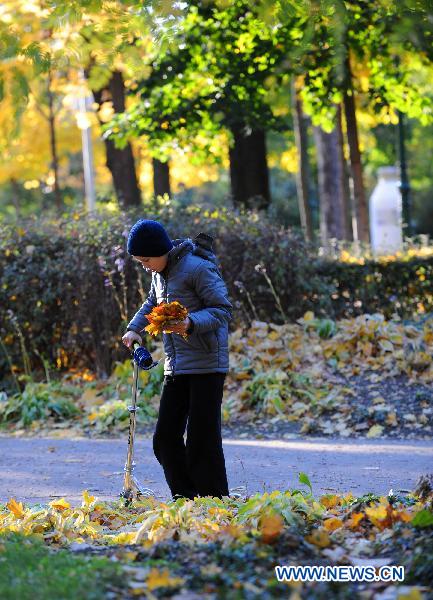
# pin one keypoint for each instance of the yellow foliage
(319, 537)
(270, 528)
(183, 173)
(161, 578)
(308, 316)
(375, 431)
(16, 508)
(354, 520)
(61, 504)
(329, 501)
(289, 160)
(332, 523)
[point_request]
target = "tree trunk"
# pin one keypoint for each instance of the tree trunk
(249, 176)
(347, 213)
(120, 161)
(303, 172)
(15, 195)
(361, 207)
(330, 185)
(161, 178)
(53, 145)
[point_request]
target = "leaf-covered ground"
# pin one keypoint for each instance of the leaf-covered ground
(212, 548)
(360, 377)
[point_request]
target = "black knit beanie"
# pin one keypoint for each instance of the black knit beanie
(148, 238)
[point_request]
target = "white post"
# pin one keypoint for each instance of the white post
(386, 229)
(85, 105)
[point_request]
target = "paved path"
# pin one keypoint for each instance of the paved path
(40, 469)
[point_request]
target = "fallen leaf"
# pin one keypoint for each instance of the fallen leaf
(319, 537)
(375, 431)
(16, 508)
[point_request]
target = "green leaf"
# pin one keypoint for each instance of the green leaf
(423, 518)
(303, 478)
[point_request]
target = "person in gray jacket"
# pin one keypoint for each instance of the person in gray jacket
(194, 369)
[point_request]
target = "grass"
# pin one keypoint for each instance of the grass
(29, 570)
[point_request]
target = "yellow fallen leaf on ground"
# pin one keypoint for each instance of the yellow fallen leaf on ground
(378, 514)
(16, 508)
(319, 537)
(332, 523)
(233, 530)
(308, 316)
(375, 431)
(87, 498)
(330, 500)
(61, 504)
(404, 515)
(354, 520)
(126, 537)
(391, 419)
(410, 593)
(157, 578)
(270, 527)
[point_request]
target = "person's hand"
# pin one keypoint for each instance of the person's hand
(130, 337)
(179, 326)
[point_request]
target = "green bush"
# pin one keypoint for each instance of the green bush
(68, 287)
(38, 401)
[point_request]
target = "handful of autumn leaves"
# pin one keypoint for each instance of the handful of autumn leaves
(163, 315)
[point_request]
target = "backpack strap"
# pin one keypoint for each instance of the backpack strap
(205, 240)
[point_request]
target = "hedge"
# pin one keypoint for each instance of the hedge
(68, 287)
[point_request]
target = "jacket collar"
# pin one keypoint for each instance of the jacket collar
(181, 246)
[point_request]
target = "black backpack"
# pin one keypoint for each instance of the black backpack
(204, 243)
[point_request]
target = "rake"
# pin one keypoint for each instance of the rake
(132, 490)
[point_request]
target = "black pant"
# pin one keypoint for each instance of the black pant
(199, 467)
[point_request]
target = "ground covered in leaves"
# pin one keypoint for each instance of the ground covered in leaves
(360, 377)
(212, 548)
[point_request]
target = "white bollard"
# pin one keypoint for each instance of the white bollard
(386, 226)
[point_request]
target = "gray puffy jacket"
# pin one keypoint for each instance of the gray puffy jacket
(192, 277)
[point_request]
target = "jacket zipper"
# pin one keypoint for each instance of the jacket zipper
(170, 334)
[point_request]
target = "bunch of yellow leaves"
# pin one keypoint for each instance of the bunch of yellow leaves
(164, 315)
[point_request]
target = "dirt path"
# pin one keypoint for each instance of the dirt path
(40, 469)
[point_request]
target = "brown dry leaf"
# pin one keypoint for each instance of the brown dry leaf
(391, 419)
(270, 527)
(354, 520)
(233, 530)
(403, 515)
(163, 315)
